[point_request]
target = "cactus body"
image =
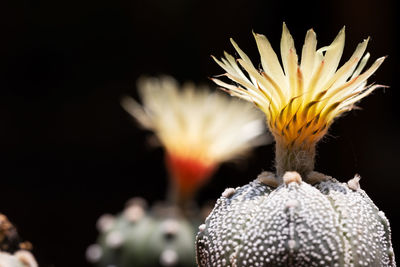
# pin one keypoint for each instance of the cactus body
(9, 260)
(11, 243)
(136, 238)
(21, 258)
(295, 224)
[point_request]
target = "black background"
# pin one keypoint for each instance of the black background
(70, 153)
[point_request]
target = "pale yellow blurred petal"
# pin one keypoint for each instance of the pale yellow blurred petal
(194, 123)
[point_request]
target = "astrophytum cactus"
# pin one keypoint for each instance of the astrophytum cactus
(199, 130)
(296, 216)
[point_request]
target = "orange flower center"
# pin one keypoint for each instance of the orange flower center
(188, 173)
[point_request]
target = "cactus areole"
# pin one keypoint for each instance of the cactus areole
(296, 216)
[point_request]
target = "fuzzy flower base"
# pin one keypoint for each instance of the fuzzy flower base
(296, 224)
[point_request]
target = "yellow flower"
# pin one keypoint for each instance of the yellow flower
(198, 129)
(300, 101)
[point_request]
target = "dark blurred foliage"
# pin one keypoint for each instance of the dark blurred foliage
(70, 153)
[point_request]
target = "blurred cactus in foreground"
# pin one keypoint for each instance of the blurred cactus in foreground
(296, 216)
(199, 130)
(159, 237)
(13, 252)
(21, 258)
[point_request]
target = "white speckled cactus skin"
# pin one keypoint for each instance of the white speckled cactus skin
(295, 224)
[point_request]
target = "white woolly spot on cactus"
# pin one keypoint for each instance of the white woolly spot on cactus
(170, 227)
(354, 184)
(202, 227)
(26, 258)
(94, 253)
(291, 177)
(134, 213)
(137, 201)
(291, 244)
(105, 223)
(114, 239)
(169, 257)
(382, 214)
(228, 192)
(292, 203)
(268, 178)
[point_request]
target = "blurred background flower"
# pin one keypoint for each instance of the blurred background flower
(69, 151)
(199, 130)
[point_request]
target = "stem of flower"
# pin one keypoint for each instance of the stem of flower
(187, 175)
(299, 159)
(177, 197)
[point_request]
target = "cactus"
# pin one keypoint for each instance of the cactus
(21, 258)
(199, 130)
(13, 252)
(161, 237)
(297, 216)
(9, 239)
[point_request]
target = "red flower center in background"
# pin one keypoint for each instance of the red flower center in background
(188, 173)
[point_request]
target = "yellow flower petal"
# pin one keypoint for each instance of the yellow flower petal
(300, 100)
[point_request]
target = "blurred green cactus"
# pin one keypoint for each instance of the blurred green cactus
(137, 237)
